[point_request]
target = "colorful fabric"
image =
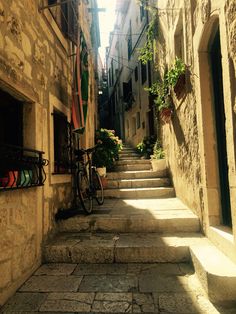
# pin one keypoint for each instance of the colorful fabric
(80, 85)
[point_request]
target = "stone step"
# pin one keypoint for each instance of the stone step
(128, 162)
(124, 154)
(122, 248)
(216, 272)
(130, 158)
(138, 183)
(134, 174)
(133, 167)
(133, 193)
(154, 222)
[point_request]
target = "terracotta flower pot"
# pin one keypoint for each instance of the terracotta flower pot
(179, 88)
(166, 114)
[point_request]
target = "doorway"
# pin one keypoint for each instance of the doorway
(220, 129)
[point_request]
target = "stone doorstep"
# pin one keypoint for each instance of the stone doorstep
(123, 248)
(216, 272)
(136, 174)
(183, 222)
(138, 183)
(141, 193)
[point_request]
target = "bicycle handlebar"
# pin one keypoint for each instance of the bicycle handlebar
(80, 152)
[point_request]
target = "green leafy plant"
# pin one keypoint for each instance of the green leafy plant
(158, 152)
(161, 89)
(107, 148)
(146, 52)
(145, 148)
(175, 71)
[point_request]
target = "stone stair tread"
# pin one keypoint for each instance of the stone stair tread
(133, 161)
(128, 219)
(142, 189)
(133, 171)
(121, 248)
(140, 179)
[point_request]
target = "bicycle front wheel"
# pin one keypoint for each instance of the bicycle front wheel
(84, 192)
(98, 187)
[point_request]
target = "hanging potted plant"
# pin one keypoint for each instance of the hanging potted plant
(176, 77)
(158, 158)
(163, 99)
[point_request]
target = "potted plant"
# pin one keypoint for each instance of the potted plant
(163, 99)
(176, 77)
(107, 149)
(145, 148)
(157, 159)
(101, 160)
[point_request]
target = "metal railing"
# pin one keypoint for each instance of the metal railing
(21, 167)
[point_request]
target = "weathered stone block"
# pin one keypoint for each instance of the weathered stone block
(24, 302)
(52, 284)
(5, 271)
(68, 302)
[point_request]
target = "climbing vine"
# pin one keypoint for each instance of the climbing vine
(146, 52)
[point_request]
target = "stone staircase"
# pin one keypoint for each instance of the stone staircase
(134, 179)
(142, 221)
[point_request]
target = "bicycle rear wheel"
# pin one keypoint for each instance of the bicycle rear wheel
(98, 187)
(84, 192)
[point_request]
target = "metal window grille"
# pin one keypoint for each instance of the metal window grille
(21, 167)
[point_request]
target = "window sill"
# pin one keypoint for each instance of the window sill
(60, 178)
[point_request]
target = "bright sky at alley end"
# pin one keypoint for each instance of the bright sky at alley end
(106, 21)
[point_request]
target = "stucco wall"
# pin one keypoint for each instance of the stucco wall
(35, 68)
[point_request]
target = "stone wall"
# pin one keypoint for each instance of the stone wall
(190, 139)
(35, 68)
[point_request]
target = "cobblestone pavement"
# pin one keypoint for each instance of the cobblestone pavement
(112, 288)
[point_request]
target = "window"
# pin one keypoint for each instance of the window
(143, 72)
(128, 95)
(179, 39)
(62, 147)
(66, 15)
(142, 10)
(112, 72)
(133, 126)
(129, 40)
(138, 120)
(11, 120)
(20, 167)
(136, 74)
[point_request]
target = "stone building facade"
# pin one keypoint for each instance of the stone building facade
(37, 50)
(130, 107)
(200, 140)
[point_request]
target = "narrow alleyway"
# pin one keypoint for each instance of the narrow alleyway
(130, 256)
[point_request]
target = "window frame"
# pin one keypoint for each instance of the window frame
(56, 104)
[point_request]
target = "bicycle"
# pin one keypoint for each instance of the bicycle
(88, 181)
